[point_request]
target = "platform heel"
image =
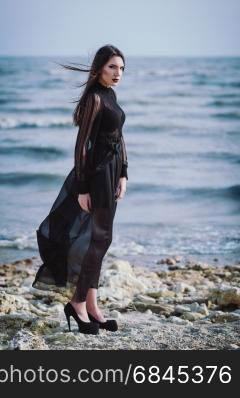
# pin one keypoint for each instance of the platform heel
(83, 327)
(109, 324)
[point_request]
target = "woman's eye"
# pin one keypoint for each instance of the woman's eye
(112, 66)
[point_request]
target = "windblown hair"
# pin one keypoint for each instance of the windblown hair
(101, 57)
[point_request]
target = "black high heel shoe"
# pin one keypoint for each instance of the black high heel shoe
(83, 327)
(109, 324)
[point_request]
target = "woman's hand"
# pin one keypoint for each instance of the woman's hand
(121, 188)
(85, 201)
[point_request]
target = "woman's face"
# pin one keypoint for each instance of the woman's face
(113, 69)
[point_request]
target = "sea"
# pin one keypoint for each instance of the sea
(182, 134)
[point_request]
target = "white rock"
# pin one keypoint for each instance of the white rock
(144, 299)
(221, 316)
(196, 307)
(119, 285)
(192, 316)
(25, 340)
(160, 292)
(65, 338)
(176, 319)
(181, 287)
(121, 265)
(181, 308)
(209, 284)
(232, 347)
(225, 295)
(148, 312)
(12, 303)
(178, 258)
(115, 314)
(203, 309)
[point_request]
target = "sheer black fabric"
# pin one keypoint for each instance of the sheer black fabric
(85, 140)
(71, 241)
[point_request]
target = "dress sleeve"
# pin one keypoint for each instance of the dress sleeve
(124, 172)
(84, 140)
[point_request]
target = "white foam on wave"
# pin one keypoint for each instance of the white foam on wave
(119, 247)
(23, 241)
(24, 122)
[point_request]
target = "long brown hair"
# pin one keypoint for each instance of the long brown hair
(101, 57)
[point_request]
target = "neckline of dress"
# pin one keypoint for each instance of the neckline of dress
(101, 86)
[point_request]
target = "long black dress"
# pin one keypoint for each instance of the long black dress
(72, 242)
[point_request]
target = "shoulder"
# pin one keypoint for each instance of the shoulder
(114, 94)
(93, 99)
(93, 95)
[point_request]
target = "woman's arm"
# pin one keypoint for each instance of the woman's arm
(124, 172)
(83, 142)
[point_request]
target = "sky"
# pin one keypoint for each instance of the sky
(136, 27)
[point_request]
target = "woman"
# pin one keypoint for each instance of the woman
(77, 233)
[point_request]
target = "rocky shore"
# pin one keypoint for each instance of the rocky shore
(183, 307)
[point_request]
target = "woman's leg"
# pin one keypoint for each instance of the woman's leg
(86, 289)
(92, 305)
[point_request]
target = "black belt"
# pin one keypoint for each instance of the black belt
(113, 145)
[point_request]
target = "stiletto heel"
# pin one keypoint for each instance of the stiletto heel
(68, 320)
(109, 324)
(83, 327)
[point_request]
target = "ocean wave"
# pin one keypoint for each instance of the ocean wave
(227, 115)
(165, 73)
(225, 156)
(231, 192)
(233, 132)
(4, 101)
(194, 156)
(23, 241)
(147, 128)
(160, 127)
(207, 81)
(226, 95)
(22, 178)
(44, 110)
(220, 103)
(13, 123)
(229, 84)
(51, 83)
(33, 151)
(5, 71)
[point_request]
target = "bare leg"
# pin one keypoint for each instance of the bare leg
(80, 308)
(92, 306)
(89, 305)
